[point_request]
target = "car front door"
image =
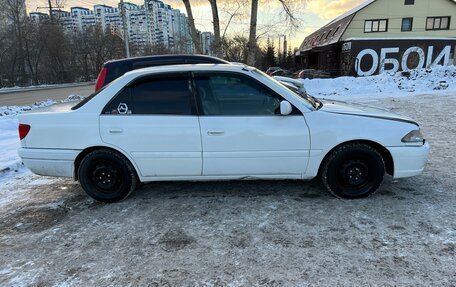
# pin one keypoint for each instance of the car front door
(154, 120)
(242, 131)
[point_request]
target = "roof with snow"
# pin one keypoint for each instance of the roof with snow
(331, 32)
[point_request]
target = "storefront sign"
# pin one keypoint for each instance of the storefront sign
(369, 61)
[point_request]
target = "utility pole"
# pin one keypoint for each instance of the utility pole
(50, 10)
(278, 49)
(284, 48)
(125, 32)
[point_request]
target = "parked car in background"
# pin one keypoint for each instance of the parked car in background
(297, 84)
(312, 74)
(271, 70)
(216, 122)
(113, 69)
(283, 73)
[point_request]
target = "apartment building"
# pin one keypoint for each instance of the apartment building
(168, 27)
(38, 16)
(384, 36)
(207, 43)
(154, 23)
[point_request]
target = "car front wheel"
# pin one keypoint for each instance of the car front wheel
(353, 171)
(107, 176)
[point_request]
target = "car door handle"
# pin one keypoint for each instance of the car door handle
(115, 131)
(215, 133)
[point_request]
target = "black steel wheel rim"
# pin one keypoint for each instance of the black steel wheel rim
(105, 177)
(354, 173)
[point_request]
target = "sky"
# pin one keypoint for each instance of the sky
(311, 15)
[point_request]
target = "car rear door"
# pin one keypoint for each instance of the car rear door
(154, 120)
(242, 131)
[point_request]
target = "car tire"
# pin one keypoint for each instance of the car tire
(353, 171)
(107, 176)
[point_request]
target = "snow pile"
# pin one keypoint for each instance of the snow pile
(18, 88)
(9, 139)
(415, 82)
(14, 110)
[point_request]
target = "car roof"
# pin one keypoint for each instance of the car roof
(165, 58)
(190, 68)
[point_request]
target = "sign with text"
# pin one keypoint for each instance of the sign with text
(385, 56)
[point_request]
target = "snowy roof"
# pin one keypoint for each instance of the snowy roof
(352, 11)
(331, 32)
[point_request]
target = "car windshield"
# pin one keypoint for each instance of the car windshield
(308, 99)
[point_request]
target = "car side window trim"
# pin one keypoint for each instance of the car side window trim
(295, 111)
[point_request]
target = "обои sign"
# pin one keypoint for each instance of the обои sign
(389, 59)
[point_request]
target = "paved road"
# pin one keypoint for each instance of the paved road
(30, 97)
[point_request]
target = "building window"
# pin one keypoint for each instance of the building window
(438, 23)
(407, 24)
(322, 36)
(335, 32)
(409, 2)
(328, 34)
(372, 26)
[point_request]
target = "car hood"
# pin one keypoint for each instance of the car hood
(339, 107)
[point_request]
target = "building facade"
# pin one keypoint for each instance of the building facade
(384, 36)
(38, 16)
(207, 43)
(154, 23)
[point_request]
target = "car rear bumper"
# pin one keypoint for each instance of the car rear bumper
(409, 160)
(49, 162)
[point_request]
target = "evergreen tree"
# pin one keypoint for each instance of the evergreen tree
(270, 54)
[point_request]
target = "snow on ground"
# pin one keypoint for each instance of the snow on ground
(39, 87)
(18, 88)
(439, 80)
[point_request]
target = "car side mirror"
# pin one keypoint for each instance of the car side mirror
(285, 108)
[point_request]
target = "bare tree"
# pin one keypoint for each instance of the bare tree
(235, 49)
(231, 15)
(252, 33)
(216, 23)
(34, 46)
(191, 21)
(15, 11)
(287, 9)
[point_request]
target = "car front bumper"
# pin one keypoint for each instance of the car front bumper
(49, 162)
(409, 160)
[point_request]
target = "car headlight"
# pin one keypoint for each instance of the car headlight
(414, 136)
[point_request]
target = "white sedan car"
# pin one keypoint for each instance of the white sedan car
(216, 122)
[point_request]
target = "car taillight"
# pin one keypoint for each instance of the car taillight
(101, 79)
(23, 131)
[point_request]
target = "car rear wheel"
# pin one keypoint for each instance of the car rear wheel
(107, 176)
(353, 171)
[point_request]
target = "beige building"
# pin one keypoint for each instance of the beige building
(375, 36)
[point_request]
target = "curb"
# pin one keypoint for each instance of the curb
(29, 89)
